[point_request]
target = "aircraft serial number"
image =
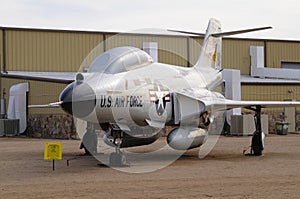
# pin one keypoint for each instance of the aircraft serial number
(107, 101)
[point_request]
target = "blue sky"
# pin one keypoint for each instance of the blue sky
(127, 15)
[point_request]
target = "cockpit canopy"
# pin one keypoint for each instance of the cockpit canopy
(119, 60)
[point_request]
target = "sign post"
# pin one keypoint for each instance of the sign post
(53, 151)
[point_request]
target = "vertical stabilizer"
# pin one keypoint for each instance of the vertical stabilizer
(210, 54)
(209, 61)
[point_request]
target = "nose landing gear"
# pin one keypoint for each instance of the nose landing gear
(117, 158)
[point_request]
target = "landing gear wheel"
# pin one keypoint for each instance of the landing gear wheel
(257, 151)
(117, 159)
(256, 148)
(257, 145)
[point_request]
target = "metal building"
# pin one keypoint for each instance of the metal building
(70, 51)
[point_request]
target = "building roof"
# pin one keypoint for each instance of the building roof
(158, 32)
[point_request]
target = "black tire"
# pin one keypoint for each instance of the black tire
(257, 150)
(256, 145)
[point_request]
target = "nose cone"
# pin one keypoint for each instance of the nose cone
(78, 99)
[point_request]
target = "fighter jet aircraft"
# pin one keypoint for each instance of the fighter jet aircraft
(133, 98)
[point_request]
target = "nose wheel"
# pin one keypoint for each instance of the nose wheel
(117, 158)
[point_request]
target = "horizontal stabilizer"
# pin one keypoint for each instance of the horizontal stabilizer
(222, 34)
(186, 32)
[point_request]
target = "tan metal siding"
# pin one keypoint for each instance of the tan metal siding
(39, 93)
(270, 92)
(48, 51)
(35, 50)
(171, 50)
(1, 49)
(280, 51)
(195, 46)
(236, 54)
(1, 58)
(43, 93)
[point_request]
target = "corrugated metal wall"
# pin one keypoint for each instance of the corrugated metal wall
(42, 50)
(65, 51)
(282, 51)
(1, 48)
(236, 54)
(194, 49)
(171, 50)
(1, 57)
(39, 93)
(33, 50)
(270, 92)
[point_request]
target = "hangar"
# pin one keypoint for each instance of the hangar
(45, 50)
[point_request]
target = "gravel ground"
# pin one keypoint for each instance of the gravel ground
(224, 173)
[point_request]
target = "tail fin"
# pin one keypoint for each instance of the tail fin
(209, 61)
(211, 51)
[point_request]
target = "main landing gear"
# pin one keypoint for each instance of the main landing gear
(117, 158)
(257, 145)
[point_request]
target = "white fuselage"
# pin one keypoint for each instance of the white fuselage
(138, 95)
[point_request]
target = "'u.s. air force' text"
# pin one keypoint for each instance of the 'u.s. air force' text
(108, 101)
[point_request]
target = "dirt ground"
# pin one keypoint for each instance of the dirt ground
(224, 173)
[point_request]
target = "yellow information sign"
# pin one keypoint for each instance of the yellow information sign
(53, 151)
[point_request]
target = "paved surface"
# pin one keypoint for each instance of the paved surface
(224, 173)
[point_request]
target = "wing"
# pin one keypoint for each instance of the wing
(215, 101)
(56, 77)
